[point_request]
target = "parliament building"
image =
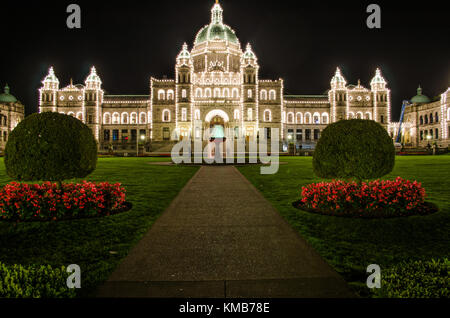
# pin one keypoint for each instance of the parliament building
(216, 84)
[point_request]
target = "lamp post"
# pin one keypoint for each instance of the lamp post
(428, 138)
(137, 144)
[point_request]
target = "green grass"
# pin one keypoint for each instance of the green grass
(349, 244)
(89, 242)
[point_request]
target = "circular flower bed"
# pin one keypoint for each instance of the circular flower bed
(46, 201)
(379, 198)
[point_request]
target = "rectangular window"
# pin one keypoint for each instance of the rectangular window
(133, 135)
(316, 134)
(421, 135)
(382, 119)
(249, 93)
(5, 136)
(268, 133)
(183, 93)
(437, 133)
(249, 114)
(307, 134)
(106, 135)
(166, 133)
(115, 134)
(236, 132)
(183, 114)
(90, 119)
(124, 135)
(299, 135)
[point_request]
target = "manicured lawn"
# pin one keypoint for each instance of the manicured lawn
(97, 245)
(350, 245)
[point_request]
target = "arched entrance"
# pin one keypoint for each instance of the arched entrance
(216, 122)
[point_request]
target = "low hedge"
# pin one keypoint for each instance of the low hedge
(47, 201)
(18, 281)
(416, 279)
(379, 198)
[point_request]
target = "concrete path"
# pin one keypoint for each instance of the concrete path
(221, 238)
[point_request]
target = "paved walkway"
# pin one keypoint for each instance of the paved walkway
(221, 238)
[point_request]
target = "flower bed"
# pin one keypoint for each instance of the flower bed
(379, 198)
(32, 202)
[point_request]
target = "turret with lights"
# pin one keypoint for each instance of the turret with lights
(47, 93)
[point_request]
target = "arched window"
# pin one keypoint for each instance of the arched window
(368, 115)
(236, 114)
(183, 93)
(124, 118)
(166, 115)
(267, 115)
(198, 92)
(161, 94)
(359, 115)
(142, 118)
(106, 118)
(226, 92)
(307, 118)
(235, 93)
(421, 120)
(80, 116)
(208, 92)
(116, 118)
(325, 118)
(426, 119)
(170, 94)
(299, 118)
(351, 115)
(431, 118)
(216, 92)
(290, 118)
(71, 114)
(436, 117)
(249, 114)
(133, 118)
(263, 94)
(316, 118)
(272, 95)
(197, 114)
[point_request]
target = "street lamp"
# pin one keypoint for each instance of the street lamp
(137, 144)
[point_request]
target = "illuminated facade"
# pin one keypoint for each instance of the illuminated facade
(11, 113)
(426, 122)
(216, 84)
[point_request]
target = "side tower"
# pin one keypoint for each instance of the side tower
(93, 99)
(337, 96)
(381, 97)
(48, 92)
(183, 91)
(250, 92)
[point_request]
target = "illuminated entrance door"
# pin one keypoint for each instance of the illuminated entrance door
(217, 141)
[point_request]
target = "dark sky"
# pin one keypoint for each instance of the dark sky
(299, 41)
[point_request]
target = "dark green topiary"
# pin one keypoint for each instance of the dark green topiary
(356, 148)
(52, 147)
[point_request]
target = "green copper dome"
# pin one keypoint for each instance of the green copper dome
(419, 98)
(216, 30)
(6, 97)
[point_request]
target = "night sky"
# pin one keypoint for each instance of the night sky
(299, 41)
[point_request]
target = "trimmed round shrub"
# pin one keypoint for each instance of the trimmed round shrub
(356, 148)
(50, 146)
(416, 279)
